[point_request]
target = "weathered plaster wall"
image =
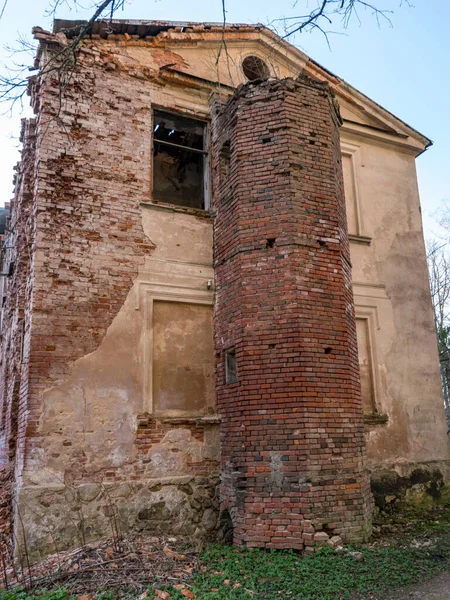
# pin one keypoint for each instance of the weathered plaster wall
(102, 259)
(391, 285)
(399, 321)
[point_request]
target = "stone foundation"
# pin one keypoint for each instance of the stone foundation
(410, 486)
(59, 517)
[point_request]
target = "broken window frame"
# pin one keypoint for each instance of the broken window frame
(206, 157)
(259, 68)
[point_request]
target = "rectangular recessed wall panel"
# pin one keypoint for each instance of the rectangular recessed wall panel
(183, 358)
(350, 194)
(365, 365)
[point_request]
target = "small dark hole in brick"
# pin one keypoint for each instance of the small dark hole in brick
(272, 346)
(270, 242)
(322, 243)
(327, 350)
(327, 529)
(312, 142)
(226, 528)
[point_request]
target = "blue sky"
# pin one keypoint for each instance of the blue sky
(405, 67)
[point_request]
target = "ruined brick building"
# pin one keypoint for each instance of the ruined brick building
(190, 297)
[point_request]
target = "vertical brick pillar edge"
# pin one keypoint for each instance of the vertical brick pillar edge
(292, 438)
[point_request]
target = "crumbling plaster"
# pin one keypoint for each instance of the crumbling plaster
(90, 420)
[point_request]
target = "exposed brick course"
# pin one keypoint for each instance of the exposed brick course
(292, 437)
(17, 263)
(90, 242)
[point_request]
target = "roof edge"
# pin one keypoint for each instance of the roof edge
(142, 28)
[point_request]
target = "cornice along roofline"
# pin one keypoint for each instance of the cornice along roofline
(382, 119)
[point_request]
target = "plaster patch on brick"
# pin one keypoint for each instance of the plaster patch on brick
(276, 474)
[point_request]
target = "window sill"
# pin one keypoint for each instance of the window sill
(203, 420)
(359, 239)
(375, 419)
(197, 212)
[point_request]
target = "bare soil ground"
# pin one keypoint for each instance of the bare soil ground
(436, 589)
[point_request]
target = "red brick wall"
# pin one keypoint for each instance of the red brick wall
(89, 231)
(292, 436)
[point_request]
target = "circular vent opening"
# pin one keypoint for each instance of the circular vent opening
(255, 68)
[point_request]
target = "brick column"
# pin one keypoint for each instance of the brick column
(292, 437)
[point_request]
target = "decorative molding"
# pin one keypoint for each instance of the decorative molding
(354, 153)
(366, 293)
(360, 239)
(370, 314)
(165, 206)
(170, 282)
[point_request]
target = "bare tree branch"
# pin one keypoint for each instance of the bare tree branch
(14, 81)
(330, 11)
(438, 259)
(3, 8)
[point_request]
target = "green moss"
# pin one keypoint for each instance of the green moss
(423, 488)
(445, 495)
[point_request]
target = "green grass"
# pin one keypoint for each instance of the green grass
(323, 576)
(229, 573)
(18, 594)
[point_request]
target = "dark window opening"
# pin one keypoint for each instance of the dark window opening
(230, 366)
(21, 338)
(225, 160)
(255, 68)
(179, 160)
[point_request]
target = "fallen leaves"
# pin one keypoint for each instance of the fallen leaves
(137, 561)
(172, 554)
(188, 594)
